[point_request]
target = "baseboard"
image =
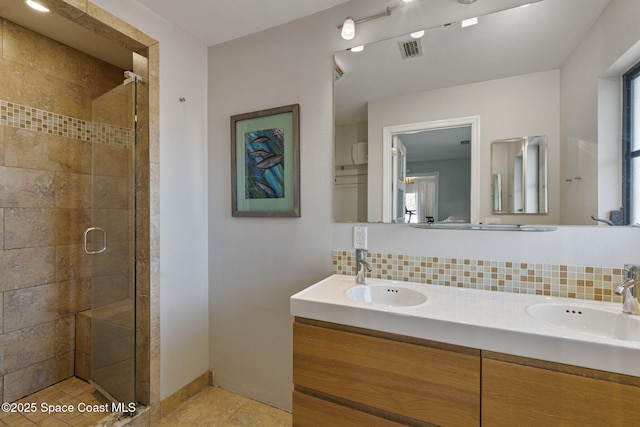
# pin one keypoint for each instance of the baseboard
(176, 399)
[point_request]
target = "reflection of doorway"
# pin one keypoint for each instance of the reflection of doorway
(463, 206)
(447, 153)
(422, 198)
(399, 185)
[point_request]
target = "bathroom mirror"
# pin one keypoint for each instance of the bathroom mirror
(519, 175)
(551, 68)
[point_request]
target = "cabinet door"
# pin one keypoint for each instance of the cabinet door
(517, 395)
(427, 384)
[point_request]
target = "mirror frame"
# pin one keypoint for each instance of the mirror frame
(388, 133)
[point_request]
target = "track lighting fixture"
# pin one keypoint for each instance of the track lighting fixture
(348, 31)
(348, 27)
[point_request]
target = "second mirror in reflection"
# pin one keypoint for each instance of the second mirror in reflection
(519, 175)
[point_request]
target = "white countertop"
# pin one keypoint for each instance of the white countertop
(485, 320)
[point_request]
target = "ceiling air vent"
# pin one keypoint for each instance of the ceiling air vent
(410, 49)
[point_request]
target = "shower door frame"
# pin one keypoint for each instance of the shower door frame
(111, 242)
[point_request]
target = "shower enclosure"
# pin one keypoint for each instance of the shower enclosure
(110, 242)
(76, 291)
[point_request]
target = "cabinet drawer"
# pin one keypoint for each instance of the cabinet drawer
(517, 395)
(427, 384)
(310, 411)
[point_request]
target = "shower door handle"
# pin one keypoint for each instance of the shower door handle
(104, 240)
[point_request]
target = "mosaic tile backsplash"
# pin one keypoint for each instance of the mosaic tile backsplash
(582, 282)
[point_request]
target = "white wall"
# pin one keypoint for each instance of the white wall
(591, 148)
(184, 352)
(513, 107)
(256, 264)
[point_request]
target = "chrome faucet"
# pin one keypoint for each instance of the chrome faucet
(630, 289)
(362, 266)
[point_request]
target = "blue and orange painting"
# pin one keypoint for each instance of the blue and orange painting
(264, 164)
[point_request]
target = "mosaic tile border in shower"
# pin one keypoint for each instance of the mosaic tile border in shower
(24, 117)
(581, 282)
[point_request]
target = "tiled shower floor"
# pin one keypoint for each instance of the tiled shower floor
(211, 407)
(72, 392)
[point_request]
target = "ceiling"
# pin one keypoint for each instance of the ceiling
(512, 42)
(66, 32)
(216, 21)
(208, 21)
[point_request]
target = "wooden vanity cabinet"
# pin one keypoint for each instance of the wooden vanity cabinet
(526, 392)
(349, 377)
(368, 378)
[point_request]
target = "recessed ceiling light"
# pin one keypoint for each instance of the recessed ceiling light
(466, 1)
(357, 48)
(469, 22)
(37, 6)
(417, 34)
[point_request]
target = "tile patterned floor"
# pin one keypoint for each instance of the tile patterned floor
(215, 407)
(212, 407)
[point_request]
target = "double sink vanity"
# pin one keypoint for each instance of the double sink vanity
(399, 353)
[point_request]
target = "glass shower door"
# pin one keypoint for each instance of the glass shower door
(111, 243)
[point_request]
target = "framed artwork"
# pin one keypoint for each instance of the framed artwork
(265, 163)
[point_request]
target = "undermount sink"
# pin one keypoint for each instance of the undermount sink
(386, 295)
(588, 320)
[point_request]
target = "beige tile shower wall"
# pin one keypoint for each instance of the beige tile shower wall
(45, 196)
(582, 282)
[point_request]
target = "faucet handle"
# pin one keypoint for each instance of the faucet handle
(632, 270)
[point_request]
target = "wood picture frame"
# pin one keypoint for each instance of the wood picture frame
(265, 163)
